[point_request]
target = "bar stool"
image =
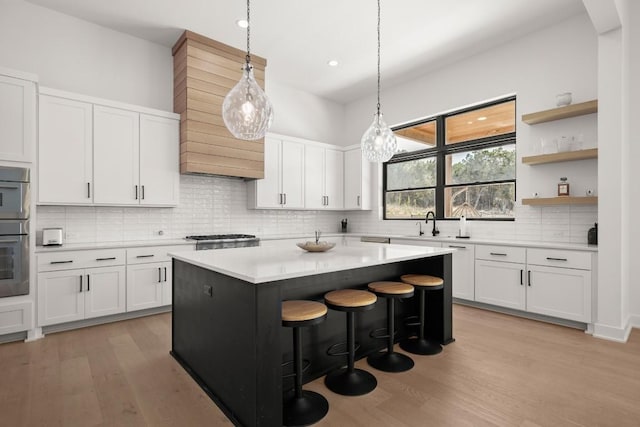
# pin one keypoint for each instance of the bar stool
(390, 361)
(350, 381)
(304, 407)
(423, 284)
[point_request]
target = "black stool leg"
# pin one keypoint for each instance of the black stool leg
(421, 345)
(350, 381)
(304, 407)
(390, 361)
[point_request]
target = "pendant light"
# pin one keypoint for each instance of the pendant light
(246, 110)
(378, 142)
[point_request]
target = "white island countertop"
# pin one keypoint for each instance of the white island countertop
(277, 261)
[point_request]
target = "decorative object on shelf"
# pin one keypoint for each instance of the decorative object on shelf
(535, 195)
(588, 192)
(378, 142)
(563, 187)
(563, 99)
(246, 110)
(564, 143)
(343, 225)
(592, 235)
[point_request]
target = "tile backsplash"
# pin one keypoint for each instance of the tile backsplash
(207, 205)
(219, 205)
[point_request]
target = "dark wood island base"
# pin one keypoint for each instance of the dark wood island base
(227, 332)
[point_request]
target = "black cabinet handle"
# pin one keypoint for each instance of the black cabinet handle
(159, 274)
(556, 259)
(497, 254)
(529, 277)
(81, 283)
(521, 278)
(106, 259)
(143, 192)
(88, 190)
(61, 262)
(165, 274)
(144, 256)
(457, 247)
(358, 201)
(136, 192)
(88, 283)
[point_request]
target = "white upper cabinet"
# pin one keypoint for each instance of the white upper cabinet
(282, 185)
(116, 135)
(324, 172)
(92, 151)
(357, 181)
(65, 151)
(17, 118)
(159, 155)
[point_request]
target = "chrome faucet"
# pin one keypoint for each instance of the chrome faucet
(435, 231)
(420, 227)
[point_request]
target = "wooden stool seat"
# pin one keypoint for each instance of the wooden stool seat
(391, 288)
(423, 280)
(424, 284)
(300, 311)
(349, 298)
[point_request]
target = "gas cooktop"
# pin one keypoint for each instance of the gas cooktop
(223, 241)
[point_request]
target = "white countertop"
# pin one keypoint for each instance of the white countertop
(284, 260)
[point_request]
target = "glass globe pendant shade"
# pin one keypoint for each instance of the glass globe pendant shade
(378, 142)
(246, 110)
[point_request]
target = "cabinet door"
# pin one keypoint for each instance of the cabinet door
(357, 181)
(334, 179)
(65, 156)
(104, 291)
(144, 286)
(17, 119)
(559, 292)
(60, 296)
(314, 167)
(500, 283)
(293, 174)
(268, 189)
(463, 271)
(116, 173)
(159, 160)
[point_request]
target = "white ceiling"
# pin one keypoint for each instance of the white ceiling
(298, 37)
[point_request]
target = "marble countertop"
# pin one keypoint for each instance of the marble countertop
(284, 260)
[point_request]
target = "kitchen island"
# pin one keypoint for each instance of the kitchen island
(226, 325)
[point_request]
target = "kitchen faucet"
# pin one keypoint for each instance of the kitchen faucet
(420, 227)
(435, 231)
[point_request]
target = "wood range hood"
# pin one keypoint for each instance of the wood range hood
(204, 71)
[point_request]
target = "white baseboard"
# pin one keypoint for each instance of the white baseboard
(612, 333)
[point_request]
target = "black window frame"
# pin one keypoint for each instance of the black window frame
(441, 150)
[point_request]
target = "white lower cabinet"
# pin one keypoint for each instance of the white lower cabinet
(148, 285)
(68, 295)
(462, 270)
(551, 282)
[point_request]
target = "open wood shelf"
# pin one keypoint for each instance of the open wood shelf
(574, 110)
(561, 200)
(590, 153)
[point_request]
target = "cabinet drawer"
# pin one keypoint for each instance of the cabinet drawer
(68, 260)
(154, 253)
(501, 253)
(559, 258)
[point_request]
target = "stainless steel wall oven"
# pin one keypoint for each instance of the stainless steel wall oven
(14, 231)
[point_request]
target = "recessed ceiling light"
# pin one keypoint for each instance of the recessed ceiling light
(242, 23)
(482, 118)
(332, 63)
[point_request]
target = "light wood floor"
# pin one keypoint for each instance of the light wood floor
(501, 370)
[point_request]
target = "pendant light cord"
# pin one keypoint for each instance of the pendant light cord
(378, 106)
(248, 57)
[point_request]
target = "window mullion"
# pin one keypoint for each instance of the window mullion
(440, 167)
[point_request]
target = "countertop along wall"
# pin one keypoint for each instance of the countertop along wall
(535, 68)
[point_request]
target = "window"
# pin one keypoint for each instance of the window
(460, 163)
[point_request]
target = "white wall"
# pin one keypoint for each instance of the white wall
(536, 67)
